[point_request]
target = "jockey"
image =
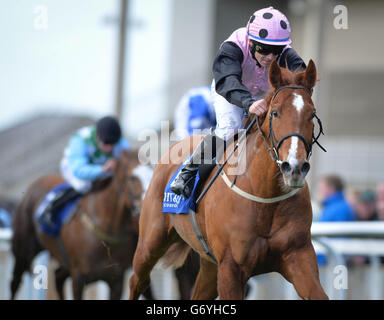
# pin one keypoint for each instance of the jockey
(240, 82)
(194, 112)
(90, 155)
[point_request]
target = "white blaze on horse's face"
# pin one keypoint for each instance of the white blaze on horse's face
(292, 152)
(295, 166)
(298, 102)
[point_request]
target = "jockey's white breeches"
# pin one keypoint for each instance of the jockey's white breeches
(229, 117)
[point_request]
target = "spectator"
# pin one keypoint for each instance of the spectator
(365, 207)
(335, 207)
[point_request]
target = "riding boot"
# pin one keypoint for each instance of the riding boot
(58, 203)
(185, 180)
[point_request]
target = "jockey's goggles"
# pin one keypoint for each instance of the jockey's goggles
(267, 49)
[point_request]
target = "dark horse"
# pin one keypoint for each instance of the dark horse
(100, 239)
(257, 225)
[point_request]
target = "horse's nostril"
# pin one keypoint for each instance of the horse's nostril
(305, 167)
(285, 167)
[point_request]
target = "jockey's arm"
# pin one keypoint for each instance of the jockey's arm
(79, 162)
(227, 72)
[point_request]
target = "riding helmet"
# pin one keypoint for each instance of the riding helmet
(108, 130)
(269, 26)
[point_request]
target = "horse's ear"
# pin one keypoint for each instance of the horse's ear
(274, 77)
(310, 75)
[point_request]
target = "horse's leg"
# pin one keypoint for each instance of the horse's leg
(148, 295)
(145, 259)
(19, 268)
(230, 280)
(61, 274)
(183, 282)
(299, 267)
(116, 287)
(24, 253)
(186, 275)
(78, 283)
(151, 247)
(206, 282)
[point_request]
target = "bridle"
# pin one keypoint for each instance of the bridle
(273, 145)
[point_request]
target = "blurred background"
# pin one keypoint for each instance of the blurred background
(64, 64)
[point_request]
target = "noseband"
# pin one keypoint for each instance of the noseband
(273, 145)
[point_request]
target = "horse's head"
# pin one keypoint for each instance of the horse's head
(289, 121)
(127, 183)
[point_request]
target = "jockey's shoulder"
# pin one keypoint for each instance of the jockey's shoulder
(85, 132)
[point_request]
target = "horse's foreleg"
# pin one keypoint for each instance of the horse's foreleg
(206, 283)
(148, 295)
(231, 280)
(300, 268)
(116, 287)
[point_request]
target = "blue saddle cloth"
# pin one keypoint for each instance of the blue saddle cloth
(61, 217)
(173, 203)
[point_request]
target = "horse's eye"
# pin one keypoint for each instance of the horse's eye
(275, 113)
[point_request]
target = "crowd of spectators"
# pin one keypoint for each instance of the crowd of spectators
(337, 204)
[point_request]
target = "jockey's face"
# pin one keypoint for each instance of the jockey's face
(265, 55)
(106, 148)
(265, 60)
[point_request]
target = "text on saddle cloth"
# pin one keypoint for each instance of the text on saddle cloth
(178, 204)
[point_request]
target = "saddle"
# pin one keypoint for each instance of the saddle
(65, 199)
(53, 224)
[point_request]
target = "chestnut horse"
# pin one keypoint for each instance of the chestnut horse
(262, 227)
(100, 239)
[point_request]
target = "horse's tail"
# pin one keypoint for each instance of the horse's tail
(176, 255)
(24, 243)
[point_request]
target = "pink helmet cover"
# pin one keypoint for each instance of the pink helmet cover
(269, 26)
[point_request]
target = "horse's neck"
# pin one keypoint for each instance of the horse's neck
(262, 172)
(109, 208)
